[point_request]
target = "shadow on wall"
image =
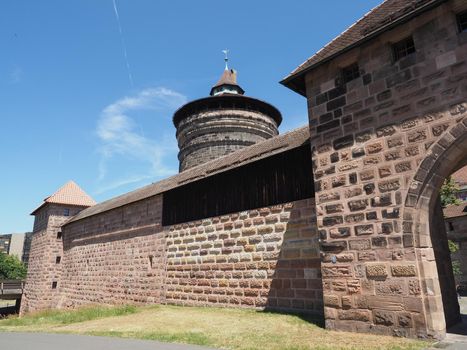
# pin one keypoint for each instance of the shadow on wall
(296, 284)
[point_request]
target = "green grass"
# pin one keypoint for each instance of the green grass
(60, 317)
(236, 329)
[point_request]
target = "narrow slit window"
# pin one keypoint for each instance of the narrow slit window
(350, 73)
(58, 259)
(59, 235)
(403, 48)
(54, 285)
(462, 21)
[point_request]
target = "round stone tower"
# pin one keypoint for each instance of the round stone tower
(222, 123)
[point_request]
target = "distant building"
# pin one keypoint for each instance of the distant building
(5, 243)
(456, 225)
(16, 244)
(460, 177)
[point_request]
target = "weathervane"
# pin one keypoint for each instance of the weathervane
(226, 58)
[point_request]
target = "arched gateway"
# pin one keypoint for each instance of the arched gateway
(387, 114)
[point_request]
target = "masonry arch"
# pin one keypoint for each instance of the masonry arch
(423, 217)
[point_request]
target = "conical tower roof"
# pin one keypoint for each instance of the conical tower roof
(70, 194)
(227, 84)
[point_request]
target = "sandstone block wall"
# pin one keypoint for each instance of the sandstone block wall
(209, 134)
(374, 140)
(46, 254)
(264, 258)
(258, 258)
(117, 257)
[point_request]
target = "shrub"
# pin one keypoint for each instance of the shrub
(11, 267)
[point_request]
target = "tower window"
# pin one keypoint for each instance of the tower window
(54, 285)
(462, 21)
(350, 72)
(58, 259)
(403, 48)
(59, 235)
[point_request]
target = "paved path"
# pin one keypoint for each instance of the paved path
(46, 341)
(456, 338)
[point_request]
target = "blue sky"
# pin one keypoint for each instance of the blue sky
(74, 105)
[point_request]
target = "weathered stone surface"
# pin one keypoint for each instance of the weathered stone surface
(354, 315)
(364, 230)
(376, 271)
(357, 205)
(389, 185)
(384, 317)
(403, 270)
(332, 301)
(360, 244)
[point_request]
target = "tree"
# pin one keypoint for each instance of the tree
(456, 265)
(11, 267)
(449, 192)
(448, 196)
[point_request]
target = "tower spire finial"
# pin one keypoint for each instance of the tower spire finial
(226, 58)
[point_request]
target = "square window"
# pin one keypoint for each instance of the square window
(350, 72)
(66, 212)
(462, 21)
(403, 48)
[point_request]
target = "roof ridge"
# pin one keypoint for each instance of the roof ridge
(270, 147)
(374, 22)
(337, 36)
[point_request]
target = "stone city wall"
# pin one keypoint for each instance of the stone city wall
(264, 258)
(258, 258)
(370, 138)
(116, 257)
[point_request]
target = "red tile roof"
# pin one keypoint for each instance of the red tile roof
(460, 176)
(379, 19)
(229, 77)
(452, 211)
(70, 194)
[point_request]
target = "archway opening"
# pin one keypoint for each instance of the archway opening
(424, 217)
(446, 247)
(453, 199)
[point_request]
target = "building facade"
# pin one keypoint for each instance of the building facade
(340, 218)
(17, 244)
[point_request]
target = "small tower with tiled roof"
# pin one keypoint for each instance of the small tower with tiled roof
(224, 122)
(44, 268)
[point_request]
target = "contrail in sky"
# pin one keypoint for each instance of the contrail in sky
(123, 43)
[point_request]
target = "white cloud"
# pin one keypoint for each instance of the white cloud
(121, 138)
